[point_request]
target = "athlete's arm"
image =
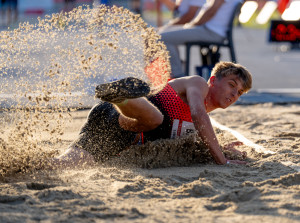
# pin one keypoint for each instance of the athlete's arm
(193, 90)
(206, 14)
(196, 91)
(170, 4)
(187, 17)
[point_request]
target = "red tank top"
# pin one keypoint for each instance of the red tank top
(177, 114)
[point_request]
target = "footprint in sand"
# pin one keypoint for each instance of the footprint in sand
(38, 186)
(195, 189)
(253, 125)
(57, 195)
(134, 187)
(12, 200)
(287, 180)
(240, 195)
(288, 134)
(174, 180)
(218, 207)
(291, 207)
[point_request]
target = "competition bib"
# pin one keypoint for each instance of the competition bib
(181, 128)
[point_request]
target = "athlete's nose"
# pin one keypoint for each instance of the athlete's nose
(235, 94)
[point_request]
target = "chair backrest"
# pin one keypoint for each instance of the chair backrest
(235, 13)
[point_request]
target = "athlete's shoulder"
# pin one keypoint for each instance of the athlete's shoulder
(196, 79)
(192, 81)
(188, 83)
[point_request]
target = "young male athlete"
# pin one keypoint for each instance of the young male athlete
(126, 115)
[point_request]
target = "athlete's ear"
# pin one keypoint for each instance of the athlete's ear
(212, 80)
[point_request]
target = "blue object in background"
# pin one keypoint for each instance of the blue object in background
(104, 2)
(204, 71)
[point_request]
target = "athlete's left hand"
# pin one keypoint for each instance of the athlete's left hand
(230, 147)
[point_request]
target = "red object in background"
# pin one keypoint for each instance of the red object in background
(34, 11)
(156, 72)
(285, 31)
(282, 4)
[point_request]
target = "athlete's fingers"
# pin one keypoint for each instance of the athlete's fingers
(233, 144)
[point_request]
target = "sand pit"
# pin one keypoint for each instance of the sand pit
(164, 181)
(264, 190)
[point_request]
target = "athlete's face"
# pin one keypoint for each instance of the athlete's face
(226, 91)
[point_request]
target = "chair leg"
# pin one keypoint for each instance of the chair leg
(232, 54)
(215, 57)
(204, 53)
(187, 62)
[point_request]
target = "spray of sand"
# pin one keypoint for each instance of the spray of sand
(42, 64)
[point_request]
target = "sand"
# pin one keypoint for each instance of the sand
(267, 189)
(165, 181)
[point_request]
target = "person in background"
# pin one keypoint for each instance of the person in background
(136, 6)
(210, 24)
(9, 8)
(183, 12)
(69, 5)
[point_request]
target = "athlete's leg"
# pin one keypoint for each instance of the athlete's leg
(118, 91)
(137, 113)
(100, 138)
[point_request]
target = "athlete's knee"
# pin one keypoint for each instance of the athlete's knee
(154, 123)
(159, 119)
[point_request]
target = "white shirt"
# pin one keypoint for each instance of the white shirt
(186, 4)
(219, 22)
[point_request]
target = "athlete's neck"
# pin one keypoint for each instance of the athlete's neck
(209, 105)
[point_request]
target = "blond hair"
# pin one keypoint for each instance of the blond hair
(224, 69)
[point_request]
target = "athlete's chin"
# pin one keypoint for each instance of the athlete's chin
(226, 105)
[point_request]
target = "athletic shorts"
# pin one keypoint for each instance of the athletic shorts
(102, 135)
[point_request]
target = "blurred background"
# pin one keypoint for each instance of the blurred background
(255, 13)
(274, 62)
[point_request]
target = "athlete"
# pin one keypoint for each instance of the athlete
(126, 114)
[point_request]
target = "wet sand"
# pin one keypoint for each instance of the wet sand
(267, 189)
